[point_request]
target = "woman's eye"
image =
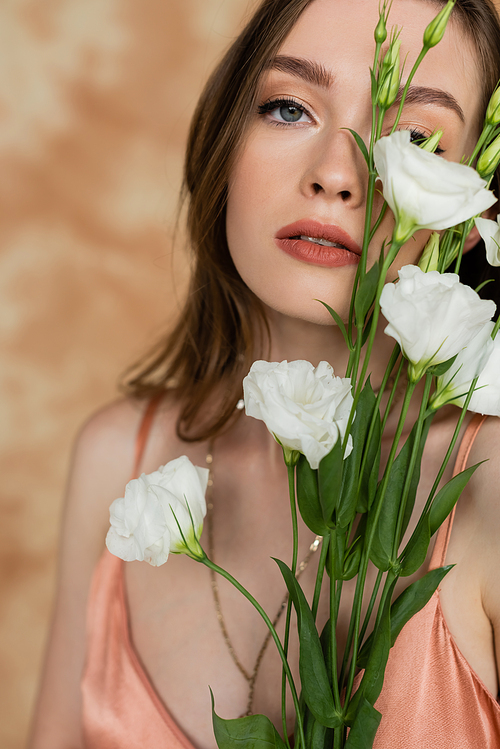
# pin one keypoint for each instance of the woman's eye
(285, 112)
(417, 137)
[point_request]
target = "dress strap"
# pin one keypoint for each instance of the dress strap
(444, 532)
(143, 432)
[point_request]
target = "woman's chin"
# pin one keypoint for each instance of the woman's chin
(312, 313)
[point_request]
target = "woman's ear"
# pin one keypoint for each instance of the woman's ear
(474, 236)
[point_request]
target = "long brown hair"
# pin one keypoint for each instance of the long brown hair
(212, 346)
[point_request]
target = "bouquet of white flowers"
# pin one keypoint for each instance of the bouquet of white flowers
(330, 428)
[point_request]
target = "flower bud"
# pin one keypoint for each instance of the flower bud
(389, 76)
(431, 143)
(381, 30)
(435, 30)
(489, 159)
(430, 256)
(391, 57)
(493, 111)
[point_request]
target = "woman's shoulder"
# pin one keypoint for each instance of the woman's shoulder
(483, 511)
(485, 450)
(107, 441)
(107, 446)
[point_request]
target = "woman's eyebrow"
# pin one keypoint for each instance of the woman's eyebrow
(425, 95)
(319, 75)
(308, 70)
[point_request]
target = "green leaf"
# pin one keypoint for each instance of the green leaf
(316, 689)
(330, 481)
(360, 142)
(352, 464)
(316, 735)
(339, 322)
(250, 732)
(439, 369)
(308, 498)
(326, 645)
(369, 477)
(373, 677)
(409, 603)
(337, 547)
(364, 728)
(374, 86)
(416, 549)
(352, 560)
(381, 552)
(367, 329)
(446, 498)
(366, 292)
(412, 493)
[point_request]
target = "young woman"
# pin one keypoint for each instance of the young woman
(269, 158)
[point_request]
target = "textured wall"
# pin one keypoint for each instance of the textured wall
(95, 100)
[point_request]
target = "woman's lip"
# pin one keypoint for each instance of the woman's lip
(289, 240)
(311, 228)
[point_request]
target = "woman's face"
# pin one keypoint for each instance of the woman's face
(299, 171)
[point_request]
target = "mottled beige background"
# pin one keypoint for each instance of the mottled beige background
(95, 101)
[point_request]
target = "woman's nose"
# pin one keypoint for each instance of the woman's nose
(336, 169)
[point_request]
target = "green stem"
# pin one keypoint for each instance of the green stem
(319, 575)
(293, 512)
(448, 455)
(333, 623)
(376, 509)
(379, 220)
(411, 466)
(419, 59)
(295, 551)
(482, 140)
(369, 610)
(393, 392)
(337, 737)
(372, 176)
(445, 249)
(211, 565)
(392, 361)
(465, 232)
(391, 256)
(387, 589)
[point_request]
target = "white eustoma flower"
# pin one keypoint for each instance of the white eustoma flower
(425, 191)
(161, 512)
(432, 316)
(454, 384)
(305, 408)
(486, 396)
(490, 233)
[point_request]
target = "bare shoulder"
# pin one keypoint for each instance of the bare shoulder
(104, 447)
(484, 499)
(109, 434)
(102, 463)
(485, 483)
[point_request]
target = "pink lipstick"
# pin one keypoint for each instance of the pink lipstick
(319, 244)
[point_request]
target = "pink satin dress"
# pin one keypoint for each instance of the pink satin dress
(431, 698)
